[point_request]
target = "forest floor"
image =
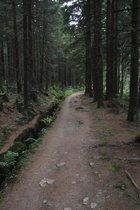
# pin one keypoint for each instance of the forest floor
(12, 122)
(82, 163)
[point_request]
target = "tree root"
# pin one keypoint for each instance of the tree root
(133, 182)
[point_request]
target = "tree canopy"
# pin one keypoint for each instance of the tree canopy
(71, 43)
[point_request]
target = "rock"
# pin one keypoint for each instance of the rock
(85, 201)
(122, 186)
(45, 201)
(67, 209)
(60, 164)
(73, 182)
(44, 182)
(92, 164)
(100, 192)
(107, 197)
(93, 205)
(50, 205)
(96, 173)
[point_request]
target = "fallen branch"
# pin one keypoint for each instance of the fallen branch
(130, 160)
(104, 145)
(133, 182)
(133, 160)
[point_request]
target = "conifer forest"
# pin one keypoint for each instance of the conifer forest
(78, 43)
(69, 104)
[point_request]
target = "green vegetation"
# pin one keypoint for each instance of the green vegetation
(9, 159)
(104, 153)
(42, 100)
(105, 135)
(56, 92)
(115, 168)
(71, 90)
(7, 129)
(48, 120)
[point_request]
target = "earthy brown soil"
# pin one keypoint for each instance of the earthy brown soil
(82, 163)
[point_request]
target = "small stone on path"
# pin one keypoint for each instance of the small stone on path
(67, 209)
(93, 205)
(92, 164)
(73, 182)
(100, 192)
(45, 201)
(60, 164)
(44, 182)
(85, 201)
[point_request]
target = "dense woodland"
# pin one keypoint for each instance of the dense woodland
(91, 43)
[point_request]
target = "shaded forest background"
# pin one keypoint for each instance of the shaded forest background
(89, 43)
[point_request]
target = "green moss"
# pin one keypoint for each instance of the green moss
(115, 168)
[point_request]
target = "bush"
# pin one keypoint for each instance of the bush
(57, 92)
(9, 159)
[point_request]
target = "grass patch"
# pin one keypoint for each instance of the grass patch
(105, 135)
(7, 129)
(106, 125)
(115, 168)
(104, 154)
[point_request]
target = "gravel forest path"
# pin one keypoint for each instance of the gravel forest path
(64, 174)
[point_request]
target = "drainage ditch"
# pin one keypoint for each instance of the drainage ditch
(9, 160)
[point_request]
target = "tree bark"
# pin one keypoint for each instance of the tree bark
(112, 50)
(133, 102)
(2, 68)
(30, 47)
(99, 57)
(108, 45)
(25, 49)
(16, 49)
(88, 77)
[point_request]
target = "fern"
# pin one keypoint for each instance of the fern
(3, 164)
(10, 158)
(48, 120)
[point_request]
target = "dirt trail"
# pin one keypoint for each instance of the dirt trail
(64, 173)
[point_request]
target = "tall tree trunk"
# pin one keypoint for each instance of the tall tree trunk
(112, 39)
(139, 95)
(94, 56)
(25, 52)
(16, 49)
(115, 62)
(133, 103)
(88, 77)
(42, 59)
(108, 44)
(99, 57)
(2, 67)
(30, 47)
(112, 50)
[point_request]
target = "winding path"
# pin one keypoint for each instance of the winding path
(60, 163)
(66, 173)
